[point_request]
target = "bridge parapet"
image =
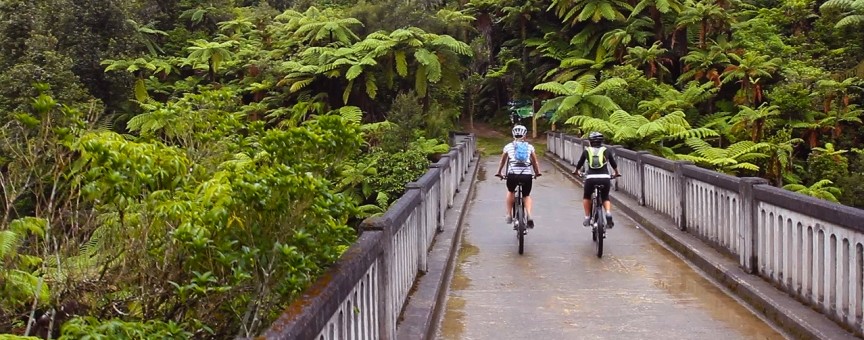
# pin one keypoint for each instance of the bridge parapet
(362, 295)
(810, 248)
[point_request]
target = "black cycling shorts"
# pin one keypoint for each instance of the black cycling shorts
(525, 179)
(590, 183)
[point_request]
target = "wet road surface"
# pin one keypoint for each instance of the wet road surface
(558, 289)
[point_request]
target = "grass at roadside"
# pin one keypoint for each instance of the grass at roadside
(491, 146)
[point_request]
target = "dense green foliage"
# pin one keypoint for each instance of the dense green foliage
(749, 88)
(186, 168)
(189, 177)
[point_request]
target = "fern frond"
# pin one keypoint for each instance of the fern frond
(821, 183)
(650, 129)
(452, 44)
(351, 114)
(371, 87)
(34, 225)
(8, 244)
(850, 20)
(700, 133)
(588, 123)
(300, 84)
(837, 4)
(610, 84)
(745, 166)
(692, 158)
(576, 62)
(553, 87)
(745, 147)
(703, 149)
(588, 81)
(794, 187)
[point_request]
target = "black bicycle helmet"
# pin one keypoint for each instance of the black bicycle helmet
(595, 138)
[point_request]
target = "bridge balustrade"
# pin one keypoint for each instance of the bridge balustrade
(362, 295)
(810, 248)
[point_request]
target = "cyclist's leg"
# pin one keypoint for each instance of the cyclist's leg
(607, 204)
(586, 200)
(511, 189)
(527, 181)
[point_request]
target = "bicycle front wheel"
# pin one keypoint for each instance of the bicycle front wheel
(599, 231)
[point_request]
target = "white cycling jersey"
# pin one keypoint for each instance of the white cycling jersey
(518, 168)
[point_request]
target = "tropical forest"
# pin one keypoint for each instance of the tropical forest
(185, 169)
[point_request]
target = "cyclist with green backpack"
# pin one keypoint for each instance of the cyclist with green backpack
(598, 160)
(522, 167)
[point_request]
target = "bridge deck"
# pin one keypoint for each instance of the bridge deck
(559, 290)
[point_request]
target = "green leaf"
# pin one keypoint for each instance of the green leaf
(420, 81)
(353, 72)
(401, 63)
(141, 91)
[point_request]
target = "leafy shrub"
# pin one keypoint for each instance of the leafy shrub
(407, 114)
(397, 169)
(91, 328)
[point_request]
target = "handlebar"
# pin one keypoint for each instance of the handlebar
(502, 177)
(581, 175)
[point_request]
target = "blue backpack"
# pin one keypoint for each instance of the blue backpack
(522, 152)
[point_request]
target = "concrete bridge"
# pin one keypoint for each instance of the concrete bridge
(695, 254)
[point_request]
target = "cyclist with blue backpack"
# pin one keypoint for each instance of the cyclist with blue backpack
(598, 160)
(522, 167)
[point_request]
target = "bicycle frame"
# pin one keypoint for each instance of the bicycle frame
(518, 203)
(597, 206)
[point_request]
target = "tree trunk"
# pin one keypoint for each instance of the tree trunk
(656, 16)
(524, 34)
(471, 114)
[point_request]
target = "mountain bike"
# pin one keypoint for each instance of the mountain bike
(520, 217)
(598, 221)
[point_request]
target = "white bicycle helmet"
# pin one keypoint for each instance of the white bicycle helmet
(519, 131)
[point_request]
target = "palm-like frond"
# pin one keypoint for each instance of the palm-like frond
(9, 241)
(853, 11)
(729, 160)
(351, 114)
(553, 87)
(700, 133)
(822, 189)
(452, 44)
(850, 20)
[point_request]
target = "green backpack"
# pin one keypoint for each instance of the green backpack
(596, 159)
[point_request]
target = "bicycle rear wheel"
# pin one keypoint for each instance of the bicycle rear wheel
(520, 225)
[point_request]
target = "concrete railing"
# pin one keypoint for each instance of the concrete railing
(809, 248)
(362, 295)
